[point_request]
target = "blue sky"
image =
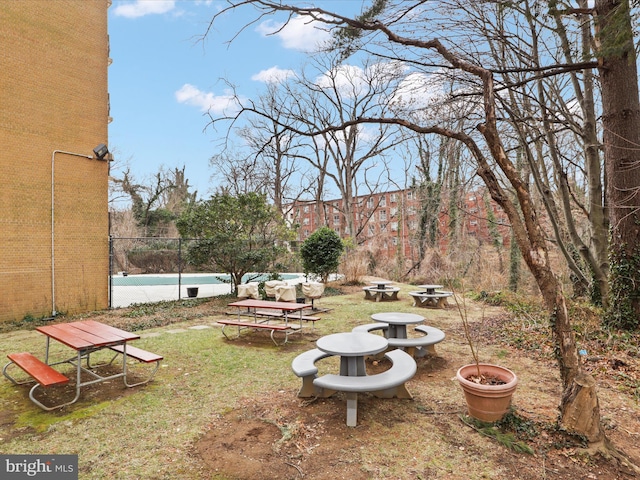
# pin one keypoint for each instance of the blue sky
(163, 80)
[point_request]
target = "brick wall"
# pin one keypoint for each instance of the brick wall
(53, 96)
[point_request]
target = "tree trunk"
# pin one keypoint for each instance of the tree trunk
(621, 138)
(582, 413)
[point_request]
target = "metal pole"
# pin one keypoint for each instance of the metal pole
(179, 267)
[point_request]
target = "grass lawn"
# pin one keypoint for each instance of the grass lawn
(220, 409)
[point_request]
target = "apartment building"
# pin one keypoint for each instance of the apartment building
(54, 111)
(389, 222)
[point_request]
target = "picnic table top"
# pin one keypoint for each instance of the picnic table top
(250, 303)
(86, 334)
(397, 318)
(352, 344)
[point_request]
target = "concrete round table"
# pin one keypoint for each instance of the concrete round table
(430, 289)
(352, 347)
(382, 284)
(397, 322)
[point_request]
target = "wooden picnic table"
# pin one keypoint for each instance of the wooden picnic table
(252, 305)
(85, 337)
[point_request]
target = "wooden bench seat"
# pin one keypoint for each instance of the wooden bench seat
(286, 329)
(388, 384)
(433, 300)
(141, 356)
(42, 373)
(138, 353)
(304, 367)
(272, 314)
(381, 294)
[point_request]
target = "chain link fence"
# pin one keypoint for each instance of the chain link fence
(145, 270)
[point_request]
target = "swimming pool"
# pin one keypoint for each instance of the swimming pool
(190, 279)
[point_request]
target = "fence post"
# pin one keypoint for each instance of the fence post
(179, 268)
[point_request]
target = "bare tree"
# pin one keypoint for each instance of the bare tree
(353, 159)
(156, 204)
(382, 28)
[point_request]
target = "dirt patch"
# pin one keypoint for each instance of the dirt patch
(279, 436)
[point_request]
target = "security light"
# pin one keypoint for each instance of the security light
(100, 151)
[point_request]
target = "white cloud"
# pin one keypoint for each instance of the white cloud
(272, 75)
(140, 8)
(205, 101)
(418, 91)
(299, 34)
(349, 80)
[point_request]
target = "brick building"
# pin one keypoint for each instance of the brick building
(388, 222)
(54, 110)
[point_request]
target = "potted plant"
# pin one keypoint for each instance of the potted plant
(487, 388)
(192, 292)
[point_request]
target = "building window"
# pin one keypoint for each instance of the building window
(306, 209)
(383, 215)
(394, 226)
(305, 221)
(394, 197)
(473, 222)
(413, 225)
(306, 233)
(370, 203)
(411, 210)
(394, 211)
(394, 240)
(336, 219)
(383, 227)
(372, 229)
(410, 194)
(383, 201)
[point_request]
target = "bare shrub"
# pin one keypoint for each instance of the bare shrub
(354, 266)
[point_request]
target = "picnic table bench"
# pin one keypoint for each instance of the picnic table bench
(43, 374)
(141, 356)
(286, 329)
(433, 300)
(388, 384)
(381, 294)
(414, 346)
(85, 338)
(304, 367)
(273, 314)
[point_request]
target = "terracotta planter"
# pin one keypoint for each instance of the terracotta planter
(488, 403)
